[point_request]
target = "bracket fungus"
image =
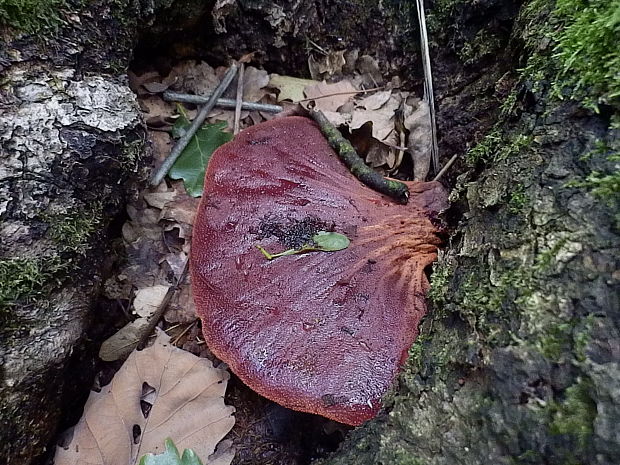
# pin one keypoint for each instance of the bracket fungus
(319, 332)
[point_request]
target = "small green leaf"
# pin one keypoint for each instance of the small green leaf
(192, 163)
(323, 241)
(171, 457)
(330, 241)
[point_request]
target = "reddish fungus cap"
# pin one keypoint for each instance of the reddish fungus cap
(321, 332)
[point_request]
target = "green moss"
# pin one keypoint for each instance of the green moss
(73, 229)
(440, 280)
(496, 147)
(575, 415)
(588, 51)
(483, 44)
(31, 16)
(26, 279)
(605, 186)
(485, 149)
(582, 57)
(518, 200)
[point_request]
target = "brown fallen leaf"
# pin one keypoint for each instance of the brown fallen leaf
(159, 392)
(146, 304)
(368, 67)
(181, 309)
(382, 119)
(195, 77)
(291, 88)
(418, 123)
(330, 97)
(255, 83)
(376, 100)
(147, 300)
(327, 65)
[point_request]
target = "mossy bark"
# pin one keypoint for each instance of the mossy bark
(517, 362)
(71, 136)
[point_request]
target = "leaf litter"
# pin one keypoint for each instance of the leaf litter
(159, 391)
(384, 123)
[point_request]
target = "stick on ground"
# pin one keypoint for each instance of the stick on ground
(239, 100)
(200, 118)
(395, 189)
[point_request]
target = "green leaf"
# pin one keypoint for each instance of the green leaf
(171, 457)
(330, 241)
(323, 241)
(192, 163)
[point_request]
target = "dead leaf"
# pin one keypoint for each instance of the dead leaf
(182, 209)
(376, 100)
(146, 304)
(368, 67)
(181, 309)
(156, 87)
(124, 341)
(382, 119)
(195, 77)
(336, 118)
(291, 88)
(159, 199)
(137, 81)
(254, 82)
(378, 154)
(148, 300)
(324, 98)
(418, 123)
(182, 394)
(327, 65)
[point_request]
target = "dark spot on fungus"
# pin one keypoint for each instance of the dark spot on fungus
(302, 355)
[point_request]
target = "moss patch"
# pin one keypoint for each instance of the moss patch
(72, 229)
(31, 16)
(575, 48)
(575, 415)
(26, 279)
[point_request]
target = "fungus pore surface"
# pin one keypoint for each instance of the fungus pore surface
(321, 332)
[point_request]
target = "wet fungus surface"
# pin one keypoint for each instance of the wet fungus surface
(321, 332)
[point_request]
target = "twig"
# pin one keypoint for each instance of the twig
(170, 96)
(429, 95)
(183, 333)
(161, 309)
(341, 93)
(395, 189)
(200, 118)
(445, 168)
(239, 99)
(318, 47)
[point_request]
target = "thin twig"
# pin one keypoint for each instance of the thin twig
(445, 168)
(183, 333)
(239, 99)
(429, 95)
(341, 93)
(200, 118)
(161, 309)
(347, 154)
(318, 47)
(230, 103)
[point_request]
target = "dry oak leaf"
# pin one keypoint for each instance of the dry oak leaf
(382, 119)
(186, 397)
(125, 340)
(291, 88)
(323, 93)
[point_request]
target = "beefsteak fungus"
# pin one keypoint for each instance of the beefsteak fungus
(320, 332)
